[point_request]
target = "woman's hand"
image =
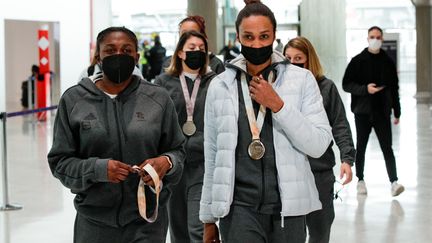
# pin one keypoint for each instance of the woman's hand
(117, 171)
(211, 233)
(345, 169)
(161, 166)
(262, 92)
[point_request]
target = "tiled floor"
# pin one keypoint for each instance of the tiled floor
(48, 214)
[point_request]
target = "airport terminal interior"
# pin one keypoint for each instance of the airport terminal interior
(338, 30)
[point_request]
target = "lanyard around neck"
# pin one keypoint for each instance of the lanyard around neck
(190, 99)
(255, 124)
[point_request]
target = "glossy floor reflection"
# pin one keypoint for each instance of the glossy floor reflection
(48, 212)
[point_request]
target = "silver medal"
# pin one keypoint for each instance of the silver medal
(189, 128)
(256, 149)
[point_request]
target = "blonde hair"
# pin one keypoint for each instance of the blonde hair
(313, 63)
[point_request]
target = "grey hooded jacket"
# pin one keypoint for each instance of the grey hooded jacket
(91, 128)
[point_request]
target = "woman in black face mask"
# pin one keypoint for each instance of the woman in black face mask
(94, 71)
(301, 53)
(187, 80)
(112, 140)
(196, 23)
(263, 117)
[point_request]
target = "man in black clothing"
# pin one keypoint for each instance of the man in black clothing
(229, 51)
(372, 80)
(157, 56)
(27, 93)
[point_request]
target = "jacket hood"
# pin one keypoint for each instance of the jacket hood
(88, 84)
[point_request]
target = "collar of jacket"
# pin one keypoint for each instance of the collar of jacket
(239, 63)
(88, 84)
(365, 54)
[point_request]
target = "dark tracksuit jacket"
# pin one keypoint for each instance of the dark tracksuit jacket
(184, 202)
(256, 182)
(340, 129)
(91, 128)
(319, 222)
(194, 144)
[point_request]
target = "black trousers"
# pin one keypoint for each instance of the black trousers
(319, 222)
(382, 127)
(242, 224)
(86, 231)
(184, 205)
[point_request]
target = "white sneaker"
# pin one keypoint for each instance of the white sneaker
(396, 189)
(361, 187)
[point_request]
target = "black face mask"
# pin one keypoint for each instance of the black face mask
(257, 56)
(195, 59)
(118, 68)
(298, 64)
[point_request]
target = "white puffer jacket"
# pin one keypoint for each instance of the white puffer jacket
(300, 128)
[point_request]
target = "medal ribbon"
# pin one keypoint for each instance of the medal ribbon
(190, 100)
(142, 204)
(255, 124)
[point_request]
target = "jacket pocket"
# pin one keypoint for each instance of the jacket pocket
(99, 195)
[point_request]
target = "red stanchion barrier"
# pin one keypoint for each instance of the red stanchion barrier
(44, 70)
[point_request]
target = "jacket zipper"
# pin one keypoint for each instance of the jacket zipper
(261, 201)
(121, 158)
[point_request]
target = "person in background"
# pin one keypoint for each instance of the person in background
(28, 88)
(105, 127)
(144, 59)
(279, 47)
(263, 116)
(300, 52)
(197, 23)
(229, 51)
(156, 58)
(187, 80)
(372, 80)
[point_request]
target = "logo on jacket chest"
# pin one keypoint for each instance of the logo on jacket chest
(87, 121)
(139, 116)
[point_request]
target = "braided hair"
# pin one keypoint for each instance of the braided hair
(104, 33)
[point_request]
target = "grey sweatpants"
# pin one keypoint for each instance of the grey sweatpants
(244, 225)
(319, 222)
(184, 205)
(140, 231)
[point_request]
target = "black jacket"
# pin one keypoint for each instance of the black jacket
(195, 143)
(359, 74)
(90, 128)
(341, 131)
(157, 56)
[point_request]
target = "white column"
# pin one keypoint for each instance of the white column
(424, 50)
(323, 23)
(208, 9)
